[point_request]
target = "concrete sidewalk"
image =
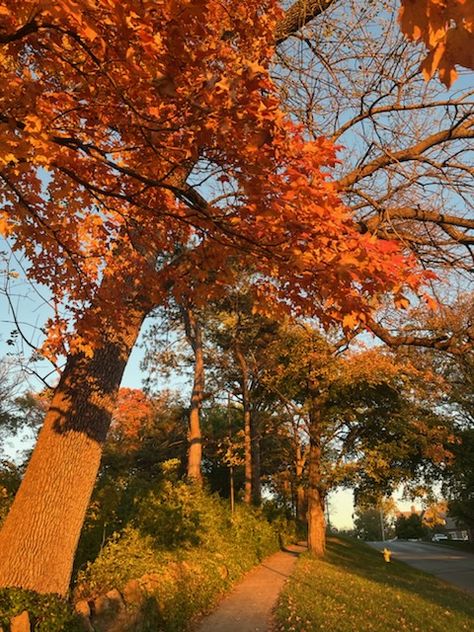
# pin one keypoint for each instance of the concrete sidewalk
(249, 606)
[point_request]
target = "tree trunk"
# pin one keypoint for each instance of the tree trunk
(316, 494)
(39, 537)
(301, 507)
(247, 423)
(194, 336)
(316, 521)
(256, 463)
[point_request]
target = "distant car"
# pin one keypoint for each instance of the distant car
(439, 536)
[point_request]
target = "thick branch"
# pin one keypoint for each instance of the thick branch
(464, 129)
(26, 29)
(298, 15)
(373, 111)
(458, 236)
(434, 217)
(436, 342)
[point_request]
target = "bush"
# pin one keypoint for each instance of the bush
(410, 527)
(175, 516)
(10, 477)
(127, 555)
(185, 548)
(48, 613)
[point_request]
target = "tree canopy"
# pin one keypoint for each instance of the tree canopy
(116, 116)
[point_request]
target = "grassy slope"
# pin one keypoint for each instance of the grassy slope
(354, 590)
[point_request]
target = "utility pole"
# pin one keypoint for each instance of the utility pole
(382, 528)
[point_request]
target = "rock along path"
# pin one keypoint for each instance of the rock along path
(248, 608)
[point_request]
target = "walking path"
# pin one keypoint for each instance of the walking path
(249, 606)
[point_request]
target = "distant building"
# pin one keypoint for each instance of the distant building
(456, 530)
(407, 514)
(436, 517)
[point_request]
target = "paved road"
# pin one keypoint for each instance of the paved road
(446, 563)
(249, 606)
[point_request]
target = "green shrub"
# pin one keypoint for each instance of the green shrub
(48, 613)
(173, 516)
(186, 549)
(127, 555)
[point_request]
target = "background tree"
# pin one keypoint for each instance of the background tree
(242, 336)
(10, 477)
(458, 487)
(371, 524)
(164, 352)
(146, 433)
(368, 423)
(410, 527)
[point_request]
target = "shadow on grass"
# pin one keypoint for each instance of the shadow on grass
(355, 558)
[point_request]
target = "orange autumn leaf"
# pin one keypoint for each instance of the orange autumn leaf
(132, 412)
(446, 27)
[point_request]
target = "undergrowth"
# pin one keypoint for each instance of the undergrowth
(186, 549)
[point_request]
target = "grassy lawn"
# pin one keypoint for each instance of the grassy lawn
(354, 590)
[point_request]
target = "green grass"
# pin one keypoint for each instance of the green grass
(353, 590)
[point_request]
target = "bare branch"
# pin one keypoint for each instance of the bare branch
(391, 108)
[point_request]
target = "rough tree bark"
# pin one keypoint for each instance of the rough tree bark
(301, 504)
(39, 536)
(297, 15)
(194, 336)
(316, 494)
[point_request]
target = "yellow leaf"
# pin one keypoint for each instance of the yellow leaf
(351, 320)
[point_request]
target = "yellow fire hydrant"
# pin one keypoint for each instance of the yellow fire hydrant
(387, 554)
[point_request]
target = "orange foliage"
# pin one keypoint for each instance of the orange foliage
(447, 29)
(106, 106)
(132, 413)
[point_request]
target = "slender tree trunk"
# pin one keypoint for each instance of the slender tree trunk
(287, 488)
(316, 494)
(256, 460)
(39, 537)
(301, 507)
(244, 372)
(194, 335)
(248, 455)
